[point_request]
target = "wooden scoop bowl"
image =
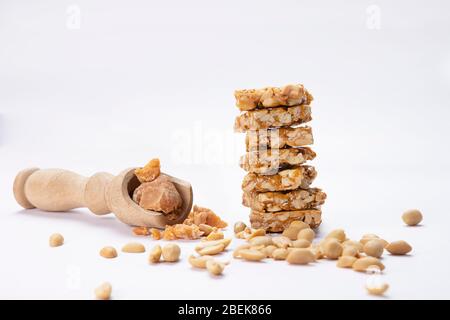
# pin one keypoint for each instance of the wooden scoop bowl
(103, 193)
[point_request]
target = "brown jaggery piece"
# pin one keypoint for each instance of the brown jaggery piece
(289, 95)
(155, 233)
(299, 199)
(272, 118)
(278, 138)
(270, 161)
(182, 231)
(158, 195)
(141, 231)
(278, 221)
(192, 228)
(200, 215)
(150, 172)
(289, 179)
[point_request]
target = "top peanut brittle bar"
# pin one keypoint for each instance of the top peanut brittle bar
(272, 118)
(290, 95)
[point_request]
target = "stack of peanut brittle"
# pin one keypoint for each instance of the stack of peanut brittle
(277, 186)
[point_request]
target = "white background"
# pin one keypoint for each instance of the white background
(104, 85)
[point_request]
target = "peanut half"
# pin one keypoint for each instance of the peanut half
(108, 252)
(199, 262)
(294, 228)
(133, 247)
(239, 227)
(205, 244)
(56, 240)
(103, 292)
(300, 256)
(280, 254)
(374, 248)
(215, 235)
(399, 247)
(332, 249)
(282, 242)
(212, 250)
(236, 252)
(155, 254)
(251, 255)
(306, 234)
(260, 240)
(214, 267)
(362, 264)
(338, 234)
(378, 290)
(171, 252)
(412, 217)
(301, 243)
(346, 261)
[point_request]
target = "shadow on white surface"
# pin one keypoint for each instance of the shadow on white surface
(80, 216)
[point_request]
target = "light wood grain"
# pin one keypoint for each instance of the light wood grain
(103, 193)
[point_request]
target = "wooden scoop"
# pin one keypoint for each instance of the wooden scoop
(103, 193)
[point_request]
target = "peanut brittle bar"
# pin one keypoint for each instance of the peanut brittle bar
(284, 201)
(279, 138)
(289, 179)
(290, 95)
(278, 221)
(271, 160)
(272, 118)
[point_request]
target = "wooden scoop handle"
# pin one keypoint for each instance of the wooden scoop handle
(62, 190)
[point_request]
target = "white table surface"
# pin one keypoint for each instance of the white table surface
(151, 80)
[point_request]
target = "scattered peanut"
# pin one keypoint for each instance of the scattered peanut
(133, 247)
(215, 268)
(108, 252)
(268, 251)
(260, 240)
(316, 249)
(367, 237)
(301, 243)
(282, 242)
(155, 254)
(256, 233)
(280, 254)
(294, 228)
(199, 262)
(171, 252)
(103, 292)
(205, 244)
(239, 227)
(378, 290)
(337, 234)
(56, 240)
(332, 249)
(362, 264)
(251, 255)
(399, 247)
(216, 235)
(206, 229)
(300, 256)
(374, 248)
(412, 217)
(346, 261)
(236, 251)
(350, 251)
(358, 245)
(212, 250)
(306, 234)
